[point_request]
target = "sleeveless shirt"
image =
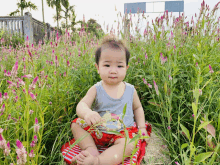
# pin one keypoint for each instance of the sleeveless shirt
(104, 103)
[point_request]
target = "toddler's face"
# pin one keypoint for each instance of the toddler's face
(112, 66)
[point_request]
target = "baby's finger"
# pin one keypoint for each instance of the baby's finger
(88, 122)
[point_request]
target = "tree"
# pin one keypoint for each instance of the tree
(92, 26)
(68, 12)
(57, 5)
(43, 10)
(23, 5)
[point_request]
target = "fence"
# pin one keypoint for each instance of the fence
(27, 26)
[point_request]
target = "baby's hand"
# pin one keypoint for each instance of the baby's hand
(144, 133)
(92, 118)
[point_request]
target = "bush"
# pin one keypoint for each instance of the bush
(10, 39)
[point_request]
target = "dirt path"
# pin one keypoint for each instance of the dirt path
(156, 151)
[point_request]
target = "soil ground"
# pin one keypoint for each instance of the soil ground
(156, 151)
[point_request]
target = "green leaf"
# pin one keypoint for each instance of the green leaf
(214, 155)
(114, 132)
(194, 109)
(124, 111)
(185, 130)
(126, 133)
(202, 125)
(184, 145)
(134, 151)
(136, 137)
(196, 93)
(203, 156)
(175, 136)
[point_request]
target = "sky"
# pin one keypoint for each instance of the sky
(105, 11)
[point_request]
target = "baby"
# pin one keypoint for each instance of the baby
(110, 95)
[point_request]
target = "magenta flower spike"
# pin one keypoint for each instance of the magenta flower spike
(32, 144)
(8, 145)
(32, 95)
(1, 138)
(36, 121)
(68, 63)
(211, 70)
(35, 80)
(145, 82)
(169, 127)
(146, 57)
(19, 144)
(156, 88)
(6, 96)
(35, 138)
(27, 39)
(149, 85)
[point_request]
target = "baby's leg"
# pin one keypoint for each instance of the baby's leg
(112, 155)
(87, 143)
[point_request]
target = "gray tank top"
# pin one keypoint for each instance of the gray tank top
(104, 102)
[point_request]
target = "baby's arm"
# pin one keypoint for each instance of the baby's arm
(138, 111)
(84, 106)
(83, 109)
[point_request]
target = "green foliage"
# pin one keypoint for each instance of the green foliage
(10, 39)
(180, 94)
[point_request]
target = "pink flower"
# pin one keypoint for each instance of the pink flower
(27, 76)
(19, 144)
(68, 63)
(35, 138)
(174, 46)
(170, 78)
(114, 116)
(6, 96)
(64, 74)
(21, 81)
(36, 121)
(177, 163)
(197, 64)
(145, 82)
(32, 96)
(35, 80)
(169, 127)
(11, 83)
(146, 57)
(193, 115)
(50, 102)
(36, 128)
(24, 91)
(31, 112)
(16, 98)
(3, 108)
(32, 144)
(211, 71)
(143, 134)
(56, 61)
(200, 91)
(163, 59)
(156, 88)
(150, 86)
(31, 155)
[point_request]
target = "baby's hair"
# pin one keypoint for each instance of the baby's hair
(112, 42)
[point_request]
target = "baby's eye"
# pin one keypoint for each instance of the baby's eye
(120, 66)
(107, 65)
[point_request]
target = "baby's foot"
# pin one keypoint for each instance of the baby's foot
(85, 158)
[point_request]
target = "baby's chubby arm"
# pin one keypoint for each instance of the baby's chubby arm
(83, 108)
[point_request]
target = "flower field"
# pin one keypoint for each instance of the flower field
(175, 71)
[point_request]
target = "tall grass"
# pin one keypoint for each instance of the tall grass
(176, 74)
